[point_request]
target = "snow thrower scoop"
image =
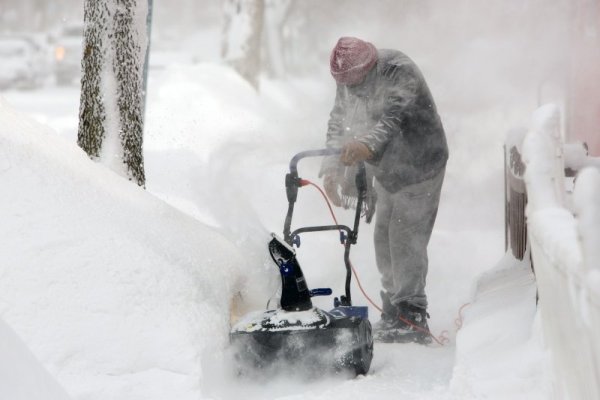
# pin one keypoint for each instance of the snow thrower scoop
(297, 333)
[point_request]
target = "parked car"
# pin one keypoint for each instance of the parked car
(68, 50)
(23, 62)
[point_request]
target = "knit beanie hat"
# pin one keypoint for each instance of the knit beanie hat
(351, 60)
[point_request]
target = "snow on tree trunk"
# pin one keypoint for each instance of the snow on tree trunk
(242, 37)
(276, 13)
(129, 40)
(92, 113)
(110, 116)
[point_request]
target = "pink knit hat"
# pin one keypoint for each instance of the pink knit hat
(351, 60)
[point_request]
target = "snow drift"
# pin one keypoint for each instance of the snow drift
(116, 292)
(22, 377)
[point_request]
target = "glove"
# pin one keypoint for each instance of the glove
(354, 152)
(330, 184)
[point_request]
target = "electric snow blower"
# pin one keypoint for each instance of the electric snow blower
(297, 332)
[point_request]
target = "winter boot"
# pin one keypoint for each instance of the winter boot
(401, 324)
(389, 329)
(389, 316)
(414, 319)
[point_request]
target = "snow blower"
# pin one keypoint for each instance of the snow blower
(297, 333)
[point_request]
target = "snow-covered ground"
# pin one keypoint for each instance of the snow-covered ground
(121, 295)
(22, 377)
(124, 293)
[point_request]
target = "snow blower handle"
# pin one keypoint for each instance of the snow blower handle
(292, 183)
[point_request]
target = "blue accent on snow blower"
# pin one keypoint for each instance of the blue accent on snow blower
(286, 268)
(351, 311)
(320, 292)
(296, 240)
(343, 237)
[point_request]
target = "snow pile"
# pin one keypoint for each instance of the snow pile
(499, 350)
(587, 208)
(564, 249)
(116, 292)
(22, 377)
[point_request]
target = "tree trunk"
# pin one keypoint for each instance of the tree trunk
(128, 67)
(111, 122)
(92, 113)
(242, 37)
(276, 13)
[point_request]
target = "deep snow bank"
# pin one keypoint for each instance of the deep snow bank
(22, 377)
(116, 292)
(499, 352)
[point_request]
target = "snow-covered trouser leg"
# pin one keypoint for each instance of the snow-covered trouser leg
(403, 226)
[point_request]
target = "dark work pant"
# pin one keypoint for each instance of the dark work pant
(402, 231)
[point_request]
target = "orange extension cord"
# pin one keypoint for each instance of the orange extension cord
(442, 338)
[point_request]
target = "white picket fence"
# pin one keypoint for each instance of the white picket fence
(563, 223)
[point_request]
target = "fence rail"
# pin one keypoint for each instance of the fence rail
(564, 237)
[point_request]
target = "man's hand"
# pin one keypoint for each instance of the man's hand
(354, 152)
(330, 184)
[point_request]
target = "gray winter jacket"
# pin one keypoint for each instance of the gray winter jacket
(394, 114)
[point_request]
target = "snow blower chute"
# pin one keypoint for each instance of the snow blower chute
(297, 332)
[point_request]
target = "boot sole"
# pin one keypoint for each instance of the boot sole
(394, 336)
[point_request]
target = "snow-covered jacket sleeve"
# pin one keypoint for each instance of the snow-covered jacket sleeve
(400, 97)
